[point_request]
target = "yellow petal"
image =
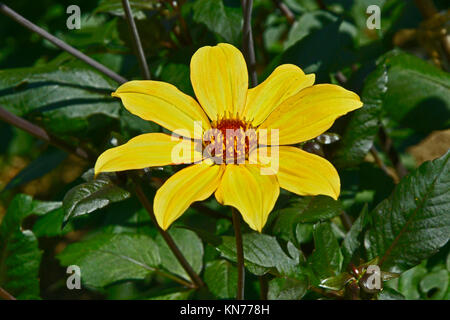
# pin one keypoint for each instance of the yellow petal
(309, 113)
(164, 104)
(220, 80)
(148, 150)
(194, 183)
(303, 173)
(285, 81)
(253, 194)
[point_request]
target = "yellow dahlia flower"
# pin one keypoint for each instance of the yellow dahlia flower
(287, 101)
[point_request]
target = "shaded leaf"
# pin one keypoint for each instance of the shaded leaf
(326, 260)
(20, 256)
(390, 294)
(352, 241)
(364, 123)
(336, 283)
(314, 55)
(66, 99)
(189, 244)
(38, 168)
(223, 17)
(317, 208)
(221, 278)
(287, 289)
(261, 253)
(422, 104)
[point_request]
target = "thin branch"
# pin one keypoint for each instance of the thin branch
(176, 6)
(263, 287)
(249, 49)
(41, 134)
(240, 255)
(137, 40)
(285, 11)
(341, 78)
(382, 166)
(388, 148)
(346, 220)
(170, 242)
(5, 295)
(321, 5)
(174, 278)
(59, 43)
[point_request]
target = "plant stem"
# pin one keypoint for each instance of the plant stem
(59, 43)
(198, 282)
(382, 166)
(249, 50)
(321, 5)
(390, 151)
(6, 295)
(240, 255)
(176, 6)
(285, 10)
(263, 287)
(173, 278)
(137, 40)
(346, 220)
(41, 134)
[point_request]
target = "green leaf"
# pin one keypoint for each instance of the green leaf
(38, 168)
(336, 283)
(20, 256)
(261, 253)
(315, 209)
(178, 74)
(223, 17)
(364, 123)
(50, 224)
(291, 222)
(352, 241)
(326, 260)
(287, 289)
(108, 258)
(221, 278)
(311, 21)
(67, 99)
(178, 295)
(390, 294)
(413, 223)
(189, 244)
(408, 283)
(422, 104)
(92, 195)
(115, 7)
(314, 55)
(434, 285)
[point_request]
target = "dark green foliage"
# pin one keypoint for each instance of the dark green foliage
(312, 247)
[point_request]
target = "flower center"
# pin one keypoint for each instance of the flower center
(230, 141)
